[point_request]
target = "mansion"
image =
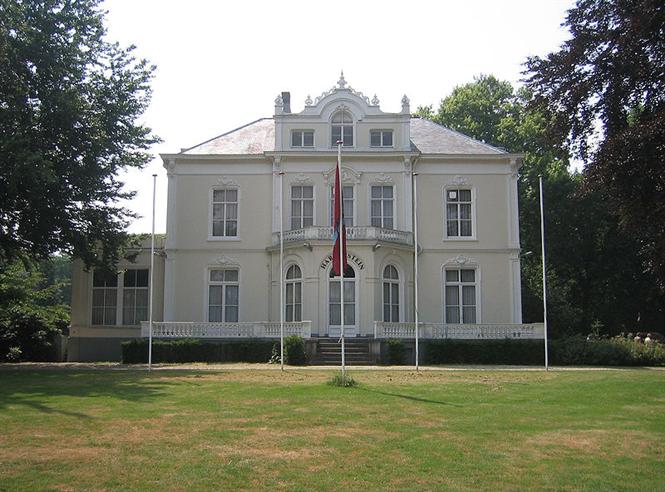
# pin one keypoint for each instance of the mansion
(217, 269)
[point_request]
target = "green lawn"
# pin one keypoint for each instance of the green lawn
(261, 429)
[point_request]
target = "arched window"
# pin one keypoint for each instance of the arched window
(390, 294)
(293, 294)
(334, 306)
(342, 128)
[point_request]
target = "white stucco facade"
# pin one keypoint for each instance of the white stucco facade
(224, 208)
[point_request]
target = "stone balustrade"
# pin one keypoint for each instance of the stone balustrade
(354, 233)
(481, 331)
(260, 329)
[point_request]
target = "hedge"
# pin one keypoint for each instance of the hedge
(575, 350)
(194, 350)
(395, 351)
(515, 352)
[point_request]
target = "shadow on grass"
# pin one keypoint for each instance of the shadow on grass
(409, 397)
(43, 390)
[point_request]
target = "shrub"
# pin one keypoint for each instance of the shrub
(28, 333)
(517, 352)
(575, 350)
(294, 351)
(395, 351)
(194, 350)
(342, 380)
(578, 350)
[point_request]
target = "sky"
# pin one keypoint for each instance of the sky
(221, 64)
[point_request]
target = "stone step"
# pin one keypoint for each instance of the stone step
(356, 352)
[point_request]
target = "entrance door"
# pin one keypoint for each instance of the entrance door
(334, 306)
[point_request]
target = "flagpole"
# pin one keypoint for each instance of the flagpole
(281, 270)
(152, 270)
(415, 261)
(542, 242)
(342, 251)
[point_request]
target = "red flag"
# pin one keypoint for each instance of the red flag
(339, 229)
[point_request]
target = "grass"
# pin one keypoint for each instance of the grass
(396, 430)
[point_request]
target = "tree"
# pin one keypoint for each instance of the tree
(605, 93)
(31, 314)
(69, 104)
(585, 286)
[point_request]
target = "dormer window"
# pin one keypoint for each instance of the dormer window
(342, 129)
(381, 138)
(302, 138)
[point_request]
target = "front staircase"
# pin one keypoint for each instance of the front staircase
(356, 352)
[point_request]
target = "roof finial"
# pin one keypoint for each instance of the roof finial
(341, 82)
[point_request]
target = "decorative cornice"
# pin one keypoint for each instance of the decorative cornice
(342, 86)
(226, 181)
(383, 178)
(348, 175)
(170, 167)
(226, 261)
(462, 260)
(302, 179)
(459, 181)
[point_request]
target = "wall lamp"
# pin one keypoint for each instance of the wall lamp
(308, 246)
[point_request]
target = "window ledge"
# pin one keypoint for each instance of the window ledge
(224, 238)
(462, 239)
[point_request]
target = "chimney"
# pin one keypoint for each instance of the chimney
(286, 99)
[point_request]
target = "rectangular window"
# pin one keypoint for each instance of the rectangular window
(381, 138)
(460, 293)
(381, 207)
(347, 206)
(104, 298)
(225, 213)
(302, 138)
(223, 290)
(135, 296)
(302, 207)
(458, 213)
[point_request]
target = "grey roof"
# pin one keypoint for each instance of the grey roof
(258, 137)
(431, 138)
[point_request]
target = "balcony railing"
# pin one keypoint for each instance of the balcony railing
(459, 331)
(355, 233)
(249, 329)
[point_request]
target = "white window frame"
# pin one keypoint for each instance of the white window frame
(331, 204)
(135, 289)
(291, 217)
(223, 283)
(351, 125)
(292, 282)
(119, 304)
(356, 281)
(394, 200)
(118, 301)
(398, 282)
(451, 265)
(210, 214)
(381, 138)
(302, 139)
(474, 227)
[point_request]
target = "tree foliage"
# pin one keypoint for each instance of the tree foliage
(594, 278)
(69, 104)
(31, 313)
(604, 92)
